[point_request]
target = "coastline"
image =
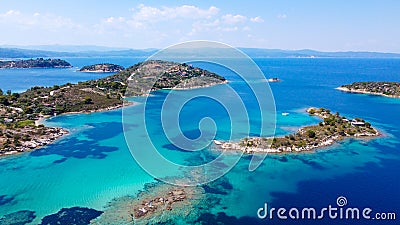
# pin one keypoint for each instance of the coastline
(196, 87)
(53, 134)
(234, 146)
(60, 132)
(27, 68)
(110, 108)
(251, 145)
(344, 89)
(96, 71)
(51, 138)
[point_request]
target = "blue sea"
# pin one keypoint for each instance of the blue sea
(93, 164)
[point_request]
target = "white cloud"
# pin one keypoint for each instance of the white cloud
(148, 25)
(256, 19)
(195, 12)
(113, 19)
(282, 16)
(144, 16)
(11, 13)
(232, 19)
(184, 20)
(36, 20)
(153, 14)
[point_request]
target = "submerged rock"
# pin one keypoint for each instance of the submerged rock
(159, 203)
(71, 216)
(18, 218)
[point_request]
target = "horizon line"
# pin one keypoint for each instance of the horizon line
(114, 48)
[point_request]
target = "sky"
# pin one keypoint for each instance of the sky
(325, 25)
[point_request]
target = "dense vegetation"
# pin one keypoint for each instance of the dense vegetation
(102, 68)
(35, 63)
(391, 89)
(155, 74)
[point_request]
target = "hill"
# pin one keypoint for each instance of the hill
(35, 63)
(102, 68)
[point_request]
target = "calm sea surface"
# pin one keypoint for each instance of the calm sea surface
(93, 165)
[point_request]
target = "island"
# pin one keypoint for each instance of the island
(20, 113)
(35, 63)
(102, 68)
(333, 128)
(154, 75)
(387, 89)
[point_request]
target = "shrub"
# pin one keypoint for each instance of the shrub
(311, 134)
(87, 100)
(25, 123)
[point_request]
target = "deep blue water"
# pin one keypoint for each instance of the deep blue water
(93, 164)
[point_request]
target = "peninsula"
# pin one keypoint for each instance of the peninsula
(19, 112)
(154, 75)
(102, 68)
(35, 63)
(333, 128)
(387, 89)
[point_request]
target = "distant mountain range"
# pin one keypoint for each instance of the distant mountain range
(7, 52)
(307, 53)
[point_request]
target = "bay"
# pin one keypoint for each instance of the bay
(93, 164)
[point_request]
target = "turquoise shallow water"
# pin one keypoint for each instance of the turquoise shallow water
(93, 164)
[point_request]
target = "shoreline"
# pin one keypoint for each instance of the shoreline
(251, 145)
(110, 108)
(53, 134)
(196, 87)
(62, 131)
(23, 68)
(96, 71)
(363, 91)
(24, 133)
(33, 145)
(230, 146)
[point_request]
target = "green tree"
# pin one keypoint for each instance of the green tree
(4, 100)
(88, 100)
(311, 133)
(28, 110)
